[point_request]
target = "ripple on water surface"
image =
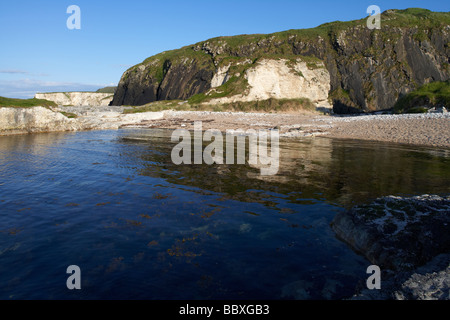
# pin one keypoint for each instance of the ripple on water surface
(140, 227)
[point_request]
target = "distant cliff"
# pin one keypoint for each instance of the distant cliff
(77, 98)
(368, 69)
(40, 119)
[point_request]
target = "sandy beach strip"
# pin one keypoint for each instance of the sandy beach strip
(431, 129)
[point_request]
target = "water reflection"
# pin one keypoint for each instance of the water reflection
(37, 144)
(140, 227)
(340, 171)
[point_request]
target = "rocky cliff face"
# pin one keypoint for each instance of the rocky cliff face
(278, 79)
(369, 69)
(77, 98)
(37, 119)
(40, 119)
(179, 77)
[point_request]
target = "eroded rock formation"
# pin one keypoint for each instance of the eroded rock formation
(77, 98)
(39, 119)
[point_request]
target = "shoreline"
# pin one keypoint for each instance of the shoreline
(426, 130)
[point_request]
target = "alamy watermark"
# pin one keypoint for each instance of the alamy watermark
(74, 280)
(258, 148)
(74, 21)
(374, 20)
(374, 281)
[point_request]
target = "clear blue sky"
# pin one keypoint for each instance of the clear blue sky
(39, 53)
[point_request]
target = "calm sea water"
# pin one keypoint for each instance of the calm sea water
(140, 227)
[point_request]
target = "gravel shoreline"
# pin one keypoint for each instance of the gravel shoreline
(432, 129)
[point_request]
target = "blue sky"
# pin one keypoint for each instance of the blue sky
(39, 53)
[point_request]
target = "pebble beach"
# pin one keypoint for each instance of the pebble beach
(430, 129)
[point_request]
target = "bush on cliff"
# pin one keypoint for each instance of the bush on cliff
(434, 94)
(25, 103)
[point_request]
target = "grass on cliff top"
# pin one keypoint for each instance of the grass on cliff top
(269, 105)
(280, 43)
(430, 95)
(407, 18)
(25, 103)
(412, 17)
(69, 115)
(106, 90)
(157, 65)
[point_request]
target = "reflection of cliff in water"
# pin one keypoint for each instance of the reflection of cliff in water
(29, 150)
(364, 170)
(36, 144)
(340, 171)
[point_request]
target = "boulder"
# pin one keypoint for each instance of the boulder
(408, 238)
(397, 233)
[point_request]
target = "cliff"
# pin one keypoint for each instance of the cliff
(34, 119)
(274, 79)
(40, 119)
(77, 98)
(368, 69)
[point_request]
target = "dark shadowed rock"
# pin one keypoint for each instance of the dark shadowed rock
(408, 238)
(397, 233)
(429, 282)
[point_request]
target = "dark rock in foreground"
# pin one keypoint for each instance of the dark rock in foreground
(408, 238)
(429, 282)
(398, 233)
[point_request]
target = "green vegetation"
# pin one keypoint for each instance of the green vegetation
(159, 106)
(340, 94)
(25, 103)
(158, 65)
(235, 85)
(106, 90)
(280, 43)
(412, 17)
(416, 110)
(270, 105)
(324, 41)
(69, 115)
(428, 96)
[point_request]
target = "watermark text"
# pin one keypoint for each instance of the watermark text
(374, 20)
(74, 21)
(258, 148)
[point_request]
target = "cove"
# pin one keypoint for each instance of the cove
(140, 227)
